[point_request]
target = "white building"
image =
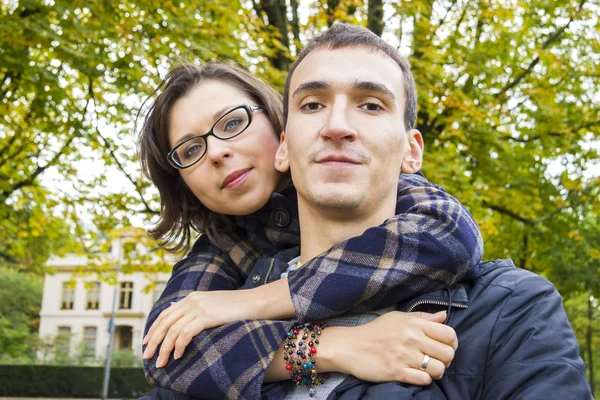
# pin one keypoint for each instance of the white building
(82, 313)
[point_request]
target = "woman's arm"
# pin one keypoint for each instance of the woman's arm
(233, 360)
(219, 357)
(432, 242)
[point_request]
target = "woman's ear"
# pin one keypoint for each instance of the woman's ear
(282, 164)
(413, 158)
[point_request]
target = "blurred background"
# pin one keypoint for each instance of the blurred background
(509, 106)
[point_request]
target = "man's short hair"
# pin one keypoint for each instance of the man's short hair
(342, 35)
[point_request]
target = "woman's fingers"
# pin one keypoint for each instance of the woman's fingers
(169, 341)
(162, 315)
(441, 333)
(438, 317)
(186, 335)
(437, 350)
(415, 377)
(160, 328)
(435, 368)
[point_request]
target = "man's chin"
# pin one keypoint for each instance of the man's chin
(336, 198)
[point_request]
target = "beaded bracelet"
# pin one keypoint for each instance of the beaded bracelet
(300, 357)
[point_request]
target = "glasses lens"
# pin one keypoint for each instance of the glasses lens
(232, 123)
(190, 152)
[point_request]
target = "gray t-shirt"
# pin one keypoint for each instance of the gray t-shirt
(335, 378)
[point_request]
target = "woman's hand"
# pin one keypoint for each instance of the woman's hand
(391, 348)
(198, 311)
(177, 325)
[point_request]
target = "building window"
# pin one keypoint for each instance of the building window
(89, 341)
(125, 295)
(158, 289)
(93, 296)
(68, 296)
(63, 340)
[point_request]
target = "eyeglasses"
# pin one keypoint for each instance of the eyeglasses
(230, 125)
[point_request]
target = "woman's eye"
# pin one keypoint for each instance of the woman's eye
(372, 107)
(312, 106)
(193, 150)
(232, 124)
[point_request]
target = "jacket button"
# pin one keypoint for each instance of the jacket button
(280, 217)
(256, 278)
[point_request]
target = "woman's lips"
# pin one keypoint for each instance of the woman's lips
(236, 178)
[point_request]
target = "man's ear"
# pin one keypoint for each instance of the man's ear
(413, 158)
(282, 164)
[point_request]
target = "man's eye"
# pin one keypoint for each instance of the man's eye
(371, 107)
(312, 106)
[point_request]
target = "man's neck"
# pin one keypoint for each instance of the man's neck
(321, 229)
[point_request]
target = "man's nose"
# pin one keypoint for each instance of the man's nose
(338, 125)
(217, 150)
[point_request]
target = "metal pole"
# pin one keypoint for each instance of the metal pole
(111, 323)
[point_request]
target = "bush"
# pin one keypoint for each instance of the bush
(73, 382)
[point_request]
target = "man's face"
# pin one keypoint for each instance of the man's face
(345, 140)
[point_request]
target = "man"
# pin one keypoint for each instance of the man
(347, 139)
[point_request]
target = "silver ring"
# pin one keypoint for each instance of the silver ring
(425, 362)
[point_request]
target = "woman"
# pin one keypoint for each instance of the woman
(208, 144)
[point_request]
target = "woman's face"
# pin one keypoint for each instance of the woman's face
(235, 176)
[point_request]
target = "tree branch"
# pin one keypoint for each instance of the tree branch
(552, 134)
(107, 146)
(524, 220)
(461, 19)
(41, 168)
(8, 258)
(551, 39)
(443, 19)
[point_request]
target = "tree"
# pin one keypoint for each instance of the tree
(507, 93)
(20, 303)
(584, 313)
(69, 69)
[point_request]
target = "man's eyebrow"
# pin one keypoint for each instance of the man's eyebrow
(370, 86)
(310, 86)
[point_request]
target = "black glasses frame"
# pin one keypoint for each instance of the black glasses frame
(250, 110)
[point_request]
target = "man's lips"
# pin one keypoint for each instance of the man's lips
(337, 159)
(235, 178)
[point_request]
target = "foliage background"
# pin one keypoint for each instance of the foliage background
(508, 103)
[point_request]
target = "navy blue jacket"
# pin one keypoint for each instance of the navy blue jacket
(514, 342)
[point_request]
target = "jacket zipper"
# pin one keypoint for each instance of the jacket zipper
(412, 307)
(269, 270)
(435, 303)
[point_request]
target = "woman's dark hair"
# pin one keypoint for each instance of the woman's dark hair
(180, 210)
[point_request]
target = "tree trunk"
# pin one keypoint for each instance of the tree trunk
(523, 263)
(590, 362)
(277, 17)
(375, 17)
(295, 26)
(331, 6)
